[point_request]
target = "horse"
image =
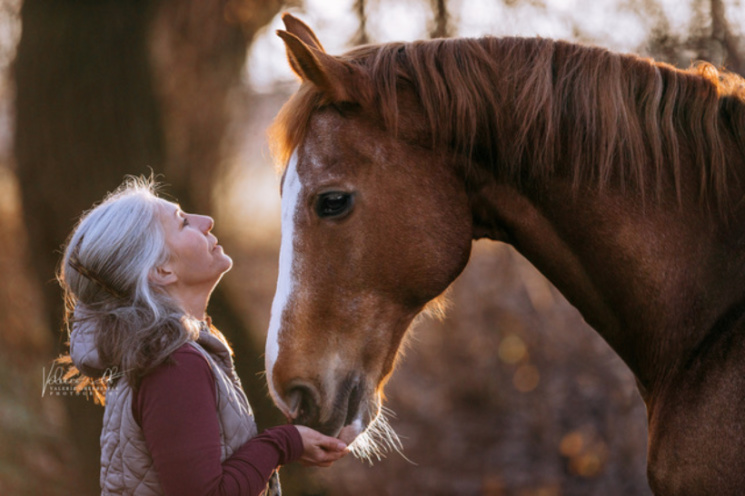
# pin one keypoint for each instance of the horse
(619, 178)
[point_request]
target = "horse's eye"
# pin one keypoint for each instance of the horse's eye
(334, 204)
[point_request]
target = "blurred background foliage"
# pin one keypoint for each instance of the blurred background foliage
(511, 393)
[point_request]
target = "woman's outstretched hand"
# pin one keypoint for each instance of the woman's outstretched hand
(320, 450)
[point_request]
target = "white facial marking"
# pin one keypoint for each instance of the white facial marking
(285, 280)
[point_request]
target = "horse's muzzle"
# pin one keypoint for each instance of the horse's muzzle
(304, 402)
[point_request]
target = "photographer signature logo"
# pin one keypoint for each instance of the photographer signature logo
(54, 382)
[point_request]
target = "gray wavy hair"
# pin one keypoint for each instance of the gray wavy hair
(105, 277)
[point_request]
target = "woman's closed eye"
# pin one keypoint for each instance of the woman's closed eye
(183, 218)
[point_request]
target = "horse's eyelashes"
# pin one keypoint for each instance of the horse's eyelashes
(334, 204)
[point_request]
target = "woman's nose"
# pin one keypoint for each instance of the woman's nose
(204, 222)
(209, 223)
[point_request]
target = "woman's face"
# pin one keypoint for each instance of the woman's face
(195, 258)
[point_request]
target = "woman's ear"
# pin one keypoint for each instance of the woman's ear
(163, 275)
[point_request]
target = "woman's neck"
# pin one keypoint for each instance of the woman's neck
(194, 303)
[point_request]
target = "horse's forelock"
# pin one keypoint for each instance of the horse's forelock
(289, 127)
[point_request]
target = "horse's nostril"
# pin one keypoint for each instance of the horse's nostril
(301, 400)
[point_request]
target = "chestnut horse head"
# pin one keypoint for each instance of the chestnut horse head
(617, 177)
(362, 252)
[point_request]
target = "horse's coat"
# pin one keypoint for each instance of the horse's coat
(619, 178)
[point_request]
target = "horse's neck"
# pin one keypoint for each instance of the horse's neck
(650, 282)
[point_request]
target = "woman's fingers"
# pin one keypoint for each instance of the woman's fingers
(320, 450)
(331, 444)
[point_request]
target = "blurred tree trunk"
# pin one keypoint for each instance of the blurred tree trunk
(361, 37)
(108, 88)
(708, 37)
(85, 116)
(441, 27)
(734, 54)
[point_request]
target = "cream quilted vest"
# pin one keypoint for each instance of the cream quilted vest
(126, 465)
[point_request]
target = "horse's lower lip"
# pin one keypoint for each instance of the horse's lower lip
(350, 432)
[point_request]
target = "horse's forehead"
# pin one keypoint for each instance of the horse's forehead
(328, 155)
(324, 121)
(332, 132)
(345, 149)
(313, 167)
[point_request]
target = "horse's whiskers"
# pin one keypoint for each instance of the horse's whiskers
(378, 440)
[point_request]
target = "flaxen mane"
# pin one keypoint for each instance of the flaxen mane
(534, 103)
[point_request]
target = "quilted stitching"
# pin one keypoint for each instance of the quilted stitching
(234, 413)
(126, 465)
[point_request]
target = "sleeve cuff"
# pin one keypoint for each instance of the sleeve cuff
(293, 442)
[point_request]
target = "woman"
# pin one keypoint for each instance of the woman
(137, 274)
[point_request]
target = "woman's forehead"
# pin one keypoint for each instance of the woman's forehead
(168, 210)
(168, 207)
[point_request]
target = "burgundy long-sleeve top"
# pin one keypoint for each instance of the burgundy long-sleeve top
(176, 408)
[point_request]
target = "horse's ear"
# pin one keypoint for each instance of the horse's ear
(297, 27)
(332, 76)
